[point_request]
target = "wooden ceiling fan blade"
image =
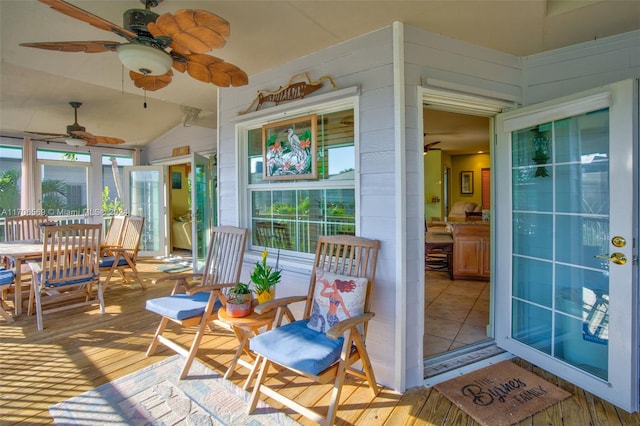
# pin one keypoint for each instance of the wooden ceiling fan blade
(192, 31)
(151, 82)
(83, 134)
(93, 139)
(91, 19)
(233, 74)
(210, 69)
(428, 147)
(108, 140)
(53, 135)
(97, 46)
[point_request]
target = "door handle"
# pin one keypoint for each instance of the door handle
(617, 258)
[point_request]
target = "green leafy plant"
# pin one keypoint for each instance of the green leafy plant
(111, 206)
(9, 191)
(263, 276)
(240, 293)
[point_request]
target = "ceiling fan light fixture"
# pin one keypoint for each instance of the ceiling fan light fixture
(144, 59)
(75, 142)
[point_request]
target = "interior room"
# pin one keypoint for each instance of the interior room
(180, 203)
(457, 209)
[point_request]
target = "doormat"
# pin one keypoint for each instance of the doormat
(502, 394)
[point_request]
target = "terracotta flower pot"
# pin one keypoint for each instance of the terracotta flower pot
(238, 309)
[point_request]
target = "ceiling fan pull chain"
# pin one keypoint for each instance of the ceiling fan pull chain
(145, 99)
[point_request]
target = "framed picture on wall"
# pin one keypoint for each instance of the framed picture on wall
(176, 180)
(466, 182)
(289, 149)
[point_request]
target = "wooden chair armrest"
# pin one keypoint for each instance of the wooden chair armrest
(177, 277)
(36, 267)
(340, 328)
(212, 287)
(109, 246)
(277, 303)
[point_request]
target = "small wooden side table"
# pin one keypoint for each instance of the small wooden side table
(245, 328)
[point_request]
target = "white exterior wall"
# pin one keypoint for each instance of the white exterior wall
(200, 139)
(427, 60)
(581, 67)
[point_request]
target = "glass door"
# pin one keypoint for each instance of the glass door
(202, 208)
(565, 295)
(145, 196)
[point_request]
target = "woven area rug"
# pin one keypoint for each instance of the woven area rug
(155, 396)
(501, 394)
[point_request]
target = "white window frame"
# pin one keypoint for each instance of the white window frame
(245, 189)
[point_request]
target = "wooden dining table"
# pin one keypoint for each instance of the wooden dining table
(19, 252)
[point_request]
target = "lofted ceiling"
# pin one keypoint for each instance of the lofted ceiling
(37, 85)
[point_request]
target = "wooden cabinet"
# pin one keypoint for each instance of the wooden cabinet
(471, 251)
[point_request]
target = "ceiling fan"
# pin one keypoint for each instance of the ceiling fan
(77, 135)
(155, 43)
(430, 146)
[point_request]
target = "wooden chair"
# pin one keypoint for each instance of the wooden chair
(18, 228)
(68, 270)
(125, 255)
(6, 281)
(114, 235)
(196, 297)
(272, 234)
(330, 338)
(21, 228)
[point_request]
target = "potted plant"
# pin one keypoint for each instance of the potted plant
(239, 301)
(265, 277)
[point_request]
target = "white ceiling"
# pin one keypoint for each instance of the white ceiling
(36, 85)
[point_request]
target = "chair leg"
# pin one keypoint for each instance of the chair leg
(132, 265)
(366, 362)
(154, 342)
(101, 297)
(38, 309)
(3, 311)
(202, 328)
(255, 394)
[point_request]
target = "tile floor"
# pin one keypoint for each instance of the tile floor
(456, 313)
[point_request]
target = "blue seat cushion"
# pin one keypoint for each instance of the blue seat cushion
(70, 274)
(181, 306)
(6, 276)
(107, 261)
(297, 346)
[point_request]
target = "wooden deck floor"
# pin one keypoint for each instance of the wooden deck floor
(82, 349)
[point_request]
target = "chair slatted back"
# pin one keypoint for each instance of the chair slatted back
(114, 234)
(132, 236)
(224, 256)
(70, 253)
(345, 255)
(26, 227)
(272, 234)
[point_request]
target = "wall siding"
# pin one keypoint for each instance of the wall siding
(365, 62)
(200, 139)
(581, 67)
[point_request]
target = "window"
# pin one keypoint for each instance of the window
(291, 214)
(10, 170)
(112, 178)
(64, 182)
